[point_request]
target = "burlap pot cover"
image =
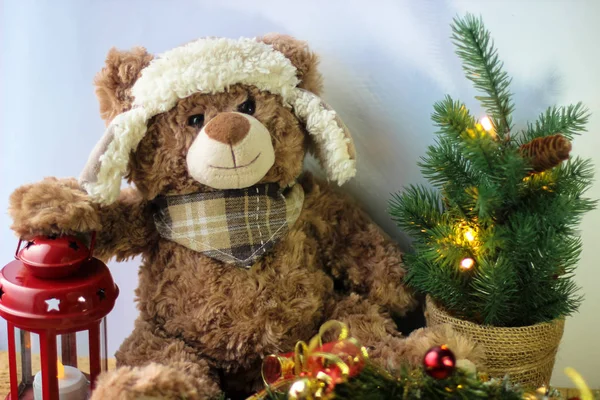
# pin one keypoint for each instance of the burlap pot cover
(525, 353)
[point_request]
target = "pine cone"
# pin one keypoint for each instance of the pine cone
(546, 152)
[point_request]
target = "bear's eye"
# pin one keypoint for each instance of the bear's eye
(196, 120)
(247, 107)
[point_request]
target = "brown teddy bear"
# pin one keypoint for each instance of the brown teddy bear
(243, 255)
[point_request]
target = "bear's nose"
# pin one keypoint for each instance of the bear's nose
(228, 127)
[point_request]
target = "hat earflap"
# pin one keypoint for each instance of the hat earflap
(107, 164)
(332, 142)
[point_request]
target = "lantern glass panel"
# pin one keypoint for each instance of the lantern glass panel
(23, 358)
(103, 346)
(34, 344)
(72, 350)
(83, 353)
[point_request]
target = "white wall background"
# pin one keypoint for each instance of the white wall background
(385, 64)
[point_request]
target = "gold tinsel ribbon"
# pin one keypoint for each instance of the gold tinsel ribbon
(312, 370)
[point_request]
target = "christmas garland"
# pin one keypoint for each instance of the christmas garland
(340, 370)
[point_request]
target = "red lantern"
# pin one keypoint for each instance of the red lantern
(57, 292)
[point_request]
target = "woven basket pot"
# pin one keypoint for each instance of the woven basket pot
(525, 353)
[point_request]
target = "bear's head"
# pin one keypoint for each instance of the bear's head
(213, 114)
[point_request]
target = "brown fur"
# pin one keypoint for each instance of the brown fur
(114, 82)
(156, 381)
(52, 205)
(207, 325)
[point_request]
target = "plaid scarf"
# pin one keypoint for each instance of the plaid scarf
(234, 226)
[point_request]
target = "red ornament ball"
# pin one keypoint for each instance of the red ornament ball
(439, 362)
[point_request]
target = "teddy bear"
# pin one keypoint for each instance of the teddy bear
(243, 254)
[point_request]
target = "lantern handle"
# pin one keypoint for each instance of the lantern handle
(18, 248)
(92, 244)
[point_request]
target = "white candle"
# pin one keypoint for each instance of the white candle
(72, 386)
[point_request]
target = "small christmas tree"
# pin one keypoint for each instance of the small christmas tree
(496, 242)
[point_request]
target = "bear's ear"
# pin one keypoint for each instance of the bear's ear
(114, 82)
(301, 57)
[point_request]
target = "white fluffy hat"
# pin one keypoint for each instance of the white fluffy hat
(212, 65)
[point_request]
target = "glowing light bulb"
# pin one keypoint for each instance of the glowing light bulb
(467, 263)
(299, 390)
(486, 123)
(470, 235)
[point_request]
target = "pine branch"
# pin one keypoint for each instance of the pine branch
(514, 168)
(568, 121)
(452, 117)
(485, 201)
(483, 67)
(558, 194)
(495, 287)
(416, 210)
(574, 177)
(442, 283)
(547, 257)
(458, 127)
(444, 164)
(492, 240)
(446, 167)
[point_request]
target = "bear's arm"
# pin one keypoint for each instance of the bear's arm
(356, 252)
(127, 227)
(60, 206)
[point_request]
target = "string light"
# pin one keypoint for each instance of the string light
(467, 263)
(486, 123)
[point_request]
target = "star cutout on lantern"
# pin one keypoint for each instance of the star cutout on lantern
(101, 294)
(1, 292)
(74, 245)
(53, 304)
(29, 244)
